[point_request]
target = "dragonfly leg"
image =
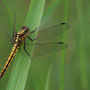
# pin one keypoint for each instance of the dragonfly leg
(11, 39)
(34, 30)
(14, 27)
(31, 38)
(27, 51)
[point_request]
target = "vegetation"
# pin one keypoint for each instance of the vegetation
(64, 70)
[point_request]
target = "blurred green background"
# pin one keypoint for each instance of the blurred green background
(64, 70)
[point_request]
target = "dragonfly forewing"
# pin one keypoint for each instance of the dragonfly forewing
(52, 32)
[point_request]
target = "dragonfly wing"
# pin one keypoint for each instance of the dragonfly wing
(52, 32)
(45, 48)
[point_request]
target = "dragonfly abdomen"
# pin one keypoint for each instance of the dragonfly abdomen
(10, 58)
(19, 38)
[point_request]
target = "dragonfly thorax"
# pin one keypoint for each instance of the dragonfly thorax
(23, 32)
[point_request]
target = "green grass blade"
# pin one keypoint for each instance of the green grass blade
(63, 54)
(22, 62)
(81, 46)
(48, 77)
(50, 9)
(8, 11)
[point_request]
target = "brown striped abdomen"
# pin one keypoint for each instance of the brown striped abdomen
(10, 58)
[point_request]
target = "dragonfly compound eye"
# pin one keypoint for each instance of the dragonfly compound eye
(26, 31)
(25, 27)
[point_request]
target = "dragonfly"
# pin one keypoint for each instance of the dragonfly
(43, 48)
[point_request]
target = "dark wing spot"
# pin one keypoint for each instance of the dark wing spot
(63, 23)
(60, 43)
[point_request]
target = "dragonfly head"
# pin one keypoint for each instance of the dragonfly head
(23, 32)
(25, 29)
